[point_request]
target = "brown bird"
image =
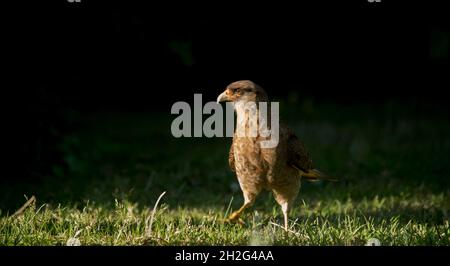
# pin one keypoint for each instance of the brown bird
(279, 169)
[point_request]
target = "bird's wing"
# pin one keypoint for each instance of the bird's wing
(297, 156)
(231, 159)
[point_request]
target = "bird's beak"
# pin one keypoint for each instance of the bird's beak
(223, 98)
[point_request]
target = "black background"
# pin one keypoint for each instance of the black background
(122, 56)
(111, 56)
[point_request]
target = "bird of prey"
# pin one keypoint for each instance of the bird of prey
(279, 169)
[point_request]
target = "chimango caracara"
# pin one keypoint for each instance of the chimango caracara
(279, 169)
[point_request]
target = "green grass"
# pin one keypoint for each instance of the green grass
(392, 160)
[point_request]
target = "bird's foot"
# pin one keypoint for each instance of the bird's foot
(235, 218)
(238, 221)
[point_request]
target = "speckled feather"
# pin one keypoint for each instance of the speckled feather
(279, 169)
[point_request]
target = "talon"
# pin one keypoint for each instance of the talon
(235, 218)
(232, 218)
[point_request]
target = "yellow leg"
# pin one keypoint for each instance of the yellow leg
(234, 217)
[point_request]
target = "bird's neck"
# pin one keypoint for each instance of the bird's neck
(250, 118)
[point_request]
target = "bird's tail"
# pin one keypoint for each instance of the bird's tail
(316, 175)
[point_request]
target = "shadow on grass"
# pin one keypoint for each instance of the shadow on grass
(133, 157)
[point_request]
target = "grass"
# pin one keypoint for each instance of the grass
(393, 160)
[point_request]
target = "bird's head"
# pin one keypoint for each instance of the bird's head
(243, 91)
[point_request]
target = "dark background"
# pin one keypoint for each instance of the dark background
(63, 57)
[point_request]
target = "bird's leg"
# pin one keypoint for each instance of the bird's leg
(285, 208)
(235, 215)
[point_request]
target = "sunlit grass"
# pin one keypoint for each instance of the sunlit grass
(126, 224)
(394, 185)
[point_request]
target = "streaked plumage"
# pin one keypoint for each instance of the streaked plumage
(278, 169)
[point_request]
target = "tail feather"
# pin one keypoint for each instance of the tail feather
(316, 175)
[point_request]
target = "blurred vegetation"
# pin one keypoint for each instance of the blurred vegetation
(392, 160)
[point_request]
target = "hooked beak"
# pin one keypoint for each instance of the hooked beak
(222, 98)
